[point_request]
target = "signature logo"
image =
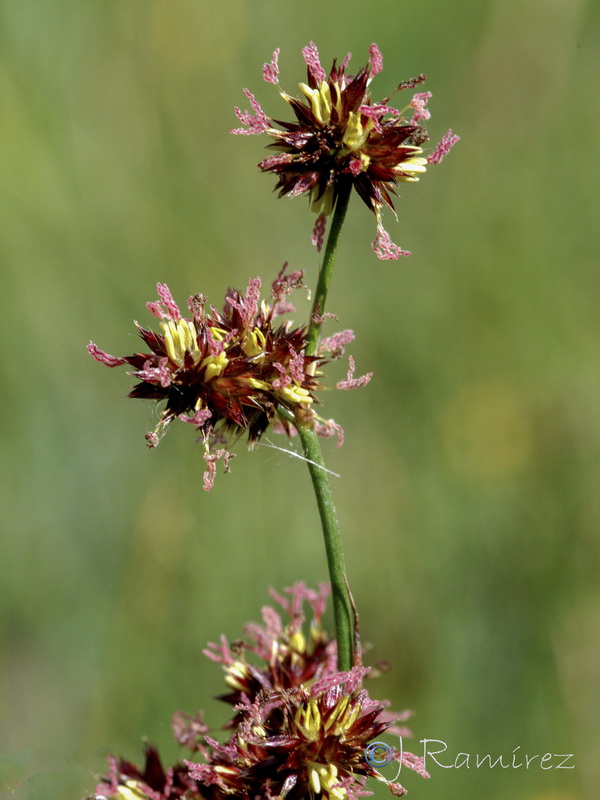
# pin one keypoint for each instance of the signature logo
(379, 754)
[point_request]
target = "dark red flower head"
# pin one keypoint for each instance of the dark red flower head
(301, 729)
(278, 655)
(230, 372)
(340, 136)
(128, 782)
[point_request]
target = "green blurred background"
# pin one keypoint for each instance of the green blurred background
(469, 495)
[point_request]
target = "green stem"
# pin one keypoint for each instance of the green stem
(318, 309)
(342, 606)
(342, 609)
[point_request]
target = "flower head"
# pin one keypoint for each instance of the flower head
(301, 727)
(301, 743)
(341, 136)
(226, 373)
(125, 781)
(278, 656)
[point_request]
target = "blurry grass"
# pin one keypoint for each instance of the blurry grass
(469, 482)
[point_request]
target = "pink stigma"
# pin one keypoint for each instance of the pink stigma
(443, 147)
(271, 69)
(166, 298)
(351, 382)
(256, 124)
(384, 248)
(418, 103)
(311, 57)
(319, 232)
(104, 358)
(376, 59)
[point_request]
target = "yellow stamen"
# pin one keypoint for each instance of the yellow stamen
(131, 791)
(225, 770)
(337, 713)
(255, 383)
(315, 723)
(350, 719)
(355, 135)
(294, 394)
(314, 781)
(325, 93)
(218, 333)
(238, 668)
(214, 365)
(323, 778)
(320, 101)
(254, 343)
(234, 683)
(412, 165)
(365, 160)
(180, 338)
(337, 100)
(298, 642)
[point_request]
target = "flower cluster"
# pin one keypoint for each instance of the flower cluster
(231, 372)
(300, 728)
(342, 138)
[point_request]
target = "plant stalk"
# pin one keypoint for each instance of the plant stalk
(318, 308)
(342, 606)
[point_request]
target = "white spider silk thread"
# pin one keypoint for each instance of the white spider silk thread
(297, 455)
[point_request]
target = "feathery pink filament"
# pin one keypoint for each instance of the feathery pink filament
(155, 308)
(377, 111)
(271, 69)
(330, 428)
(443, 147)
(350, 381)
(335, 344)
(198, 419)
(211, 466)
(256, 124)
(285, 380)
(166, 298)
(297, 366)
(418, 103)
(285, 283)
(247, 307)
(384, 248)
(318, 233)
(311, 57)
(160, 374)
(376, 59)
(104, 358)
(251, 301)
